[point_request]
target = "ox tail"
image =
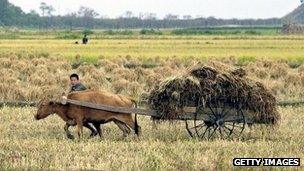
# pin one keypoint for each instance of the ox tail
(136, 126)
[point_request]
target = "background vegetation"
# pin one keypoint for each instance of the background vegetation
(233, 32)
(11, 15)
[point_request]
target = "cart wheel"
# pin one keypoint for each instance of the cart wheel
(191, 125)
(197, 128)
(219, 125)
(188, 128)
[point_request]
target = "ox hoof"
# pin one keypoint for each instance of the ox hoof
(93, 134)
(70, 136)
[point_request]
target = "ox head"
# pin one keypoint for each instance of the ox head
(45, 108)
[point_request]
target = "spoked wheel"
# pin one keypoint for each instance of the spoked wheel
(219, 121)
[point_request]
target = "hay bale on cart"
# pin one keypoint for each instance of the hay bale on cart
(221, 98)
(170, 96)
(229, 89)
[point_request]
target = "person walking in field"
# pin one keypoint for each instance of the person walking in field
(76, 85)
(85, 39)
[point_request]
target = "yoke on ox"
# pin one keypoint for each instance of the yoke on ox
(75, 111)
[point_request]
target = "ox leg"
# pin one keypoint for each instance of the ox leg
(79, 128)
(73, 123)
(98, 128)
(123, 127)
(90, 127)
(66, 128)
(68, 133)
(132, 124)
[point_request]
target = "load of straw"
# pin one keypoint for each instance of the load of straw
(209, 87)
(173, 94)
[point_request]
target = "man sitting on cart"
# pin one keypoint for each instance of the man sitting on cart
(76, 85)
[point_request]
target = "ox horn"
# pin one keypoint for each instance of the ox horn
(63, 100)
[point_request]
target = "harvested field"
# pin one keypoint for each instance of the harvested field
(134, 67)
(28, 144)
(32, 78)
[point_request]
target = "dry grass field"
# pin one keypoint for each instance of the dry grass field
(29, 144)
(33, 69)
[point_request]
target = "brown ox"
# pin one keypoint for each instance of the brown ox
(80, 116)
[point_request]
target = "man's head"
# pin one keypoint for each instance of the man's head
(74, 79)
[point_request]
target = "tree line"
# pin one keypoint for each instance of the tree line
(11, 15)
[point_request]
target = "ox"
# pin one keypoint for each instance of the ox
(81, 116)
